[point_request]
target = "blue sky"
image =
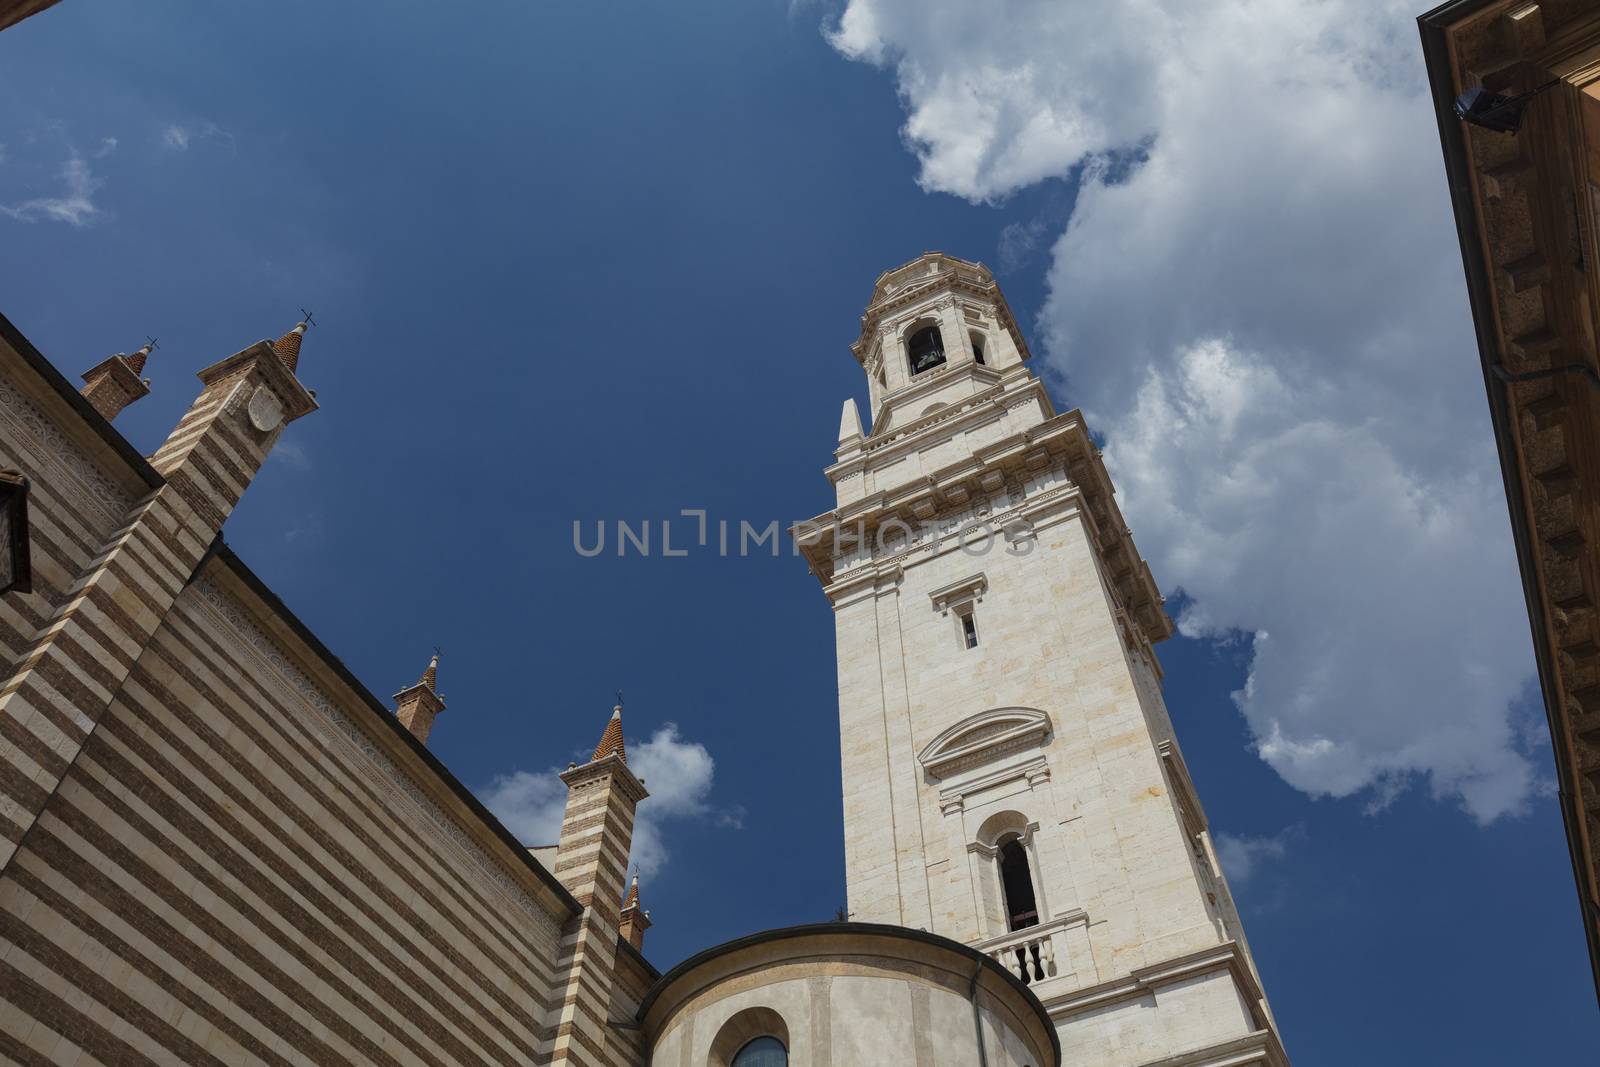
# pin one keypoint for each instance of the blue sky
(589, 262)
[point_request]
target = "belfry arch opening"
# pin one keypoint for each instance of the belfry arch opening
(1016, 879)
(924, 349)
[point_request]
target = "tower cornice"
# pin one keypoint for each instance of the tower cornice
(605, 766)
(1061, 441)
(295, 398)
(888, 441)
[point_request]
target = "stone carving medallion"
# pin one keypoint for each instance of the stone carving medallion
(265, 410)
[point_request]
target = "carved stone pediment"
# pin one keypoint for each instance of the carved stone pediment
(982, 737)
(956, 593)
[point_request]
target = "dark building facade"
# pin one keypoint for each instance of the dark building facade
(1527, 207)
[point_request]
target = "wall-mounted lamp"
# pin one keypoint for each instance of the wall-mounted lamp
(1496, 111)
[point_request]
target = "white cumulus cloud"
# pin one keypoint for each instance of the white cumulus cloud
(678, 774)
(1258, 301)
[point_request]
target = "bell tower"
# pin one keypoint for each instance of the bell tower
(1011, 776)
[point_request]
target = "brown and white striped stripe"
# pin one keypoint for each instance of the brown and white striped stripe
(197, 864)
(77, 662)
(243, 878)
(591, 861)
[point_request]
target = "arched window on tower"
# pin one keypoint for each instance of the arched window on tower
(762, 1052)
(1017, 880)
(977, 346)
(925, 350)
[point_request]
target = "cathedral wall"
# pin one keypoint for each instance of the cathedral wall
(872, 871)
(632, 980)
(238, 869)
(79, 494)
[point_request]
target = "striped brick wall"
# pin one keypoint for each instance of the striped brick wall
(632, 979)
(234, 872)
(592, 862)
(212, 848)
(72, 671)
(75, 503)
(597, 834)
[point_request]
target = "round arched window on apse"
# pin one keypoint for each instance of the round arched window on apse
(753, 1037)
(762, 1052)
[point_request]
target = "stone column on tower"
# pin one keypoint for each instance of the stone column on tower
(953, 328)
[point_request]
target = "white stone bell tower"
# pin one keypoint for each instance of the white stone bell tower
(1011, 778)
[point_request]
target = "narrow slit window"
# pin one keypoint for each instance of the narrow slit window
(969, 630)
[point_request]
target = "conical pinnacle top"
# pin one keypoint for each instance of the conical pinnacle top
(136, 361)
(611, 740)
